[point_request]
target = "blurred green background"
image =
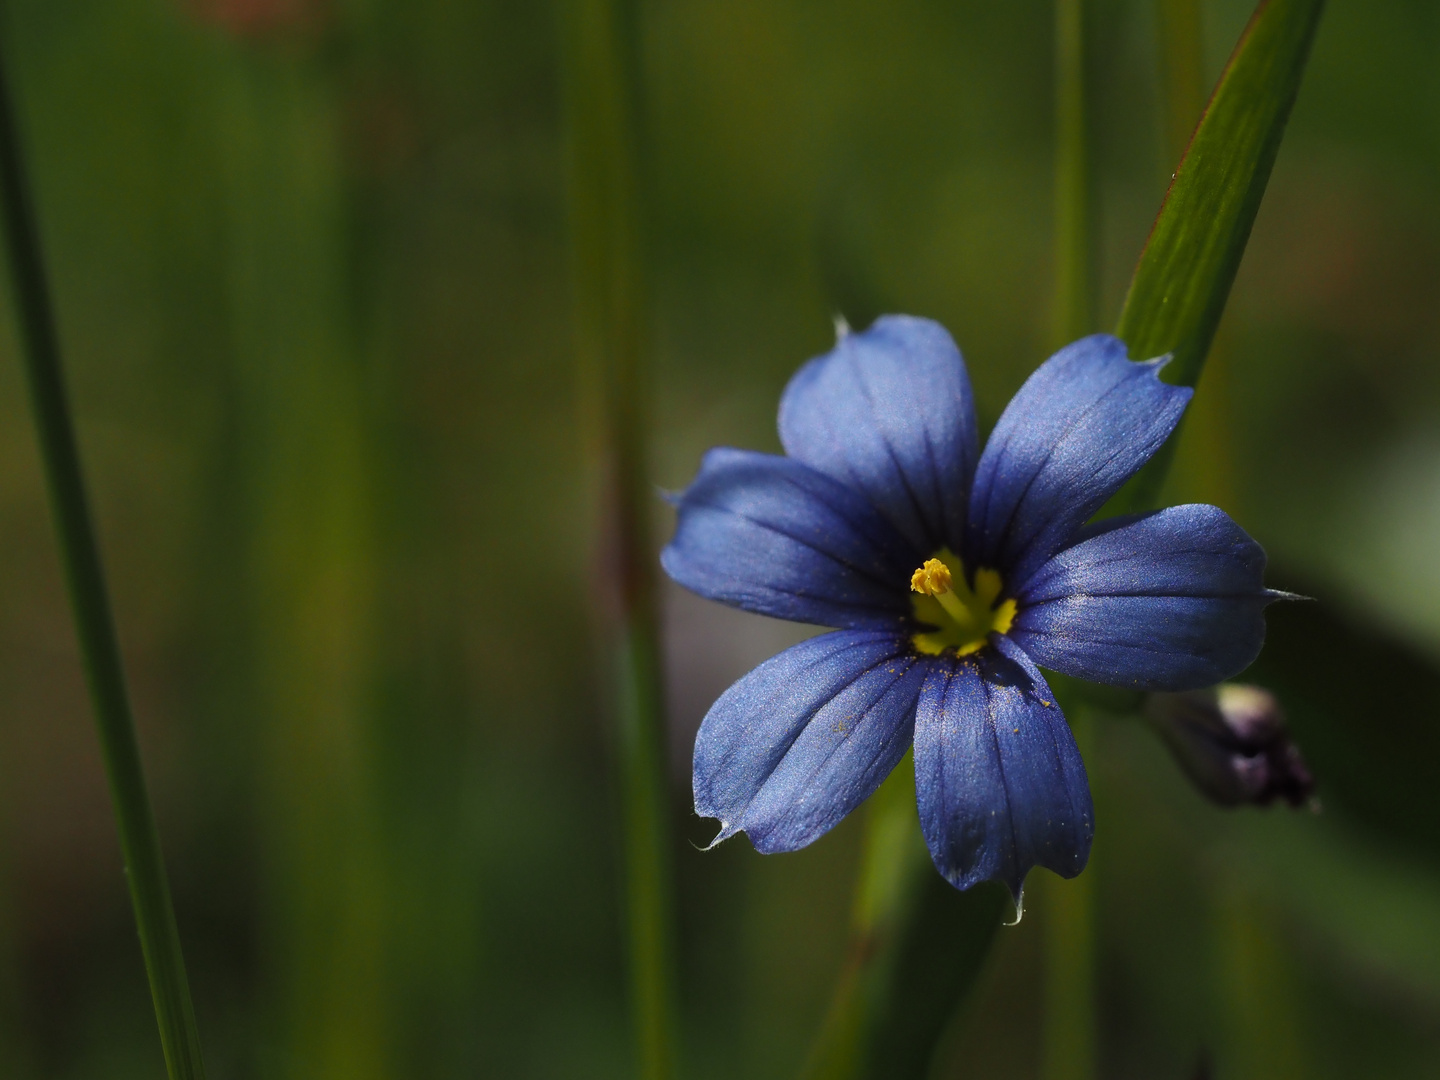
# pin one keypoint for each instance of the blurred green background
(312, 273)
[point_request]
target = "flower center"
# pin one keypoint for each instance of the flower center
(963, 618)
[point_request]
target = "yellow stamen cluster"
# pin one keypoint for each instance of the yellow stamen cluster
(932, 579)
(963, 615)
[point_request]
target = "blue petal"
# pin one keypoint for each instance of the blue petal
(999, 780)
(771, 535)
(803, 739)
(1081, 426)
(889, 412)
(1172, 600)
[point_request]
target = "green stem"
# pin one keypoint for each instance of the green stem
(1260, 1005)
(94, 621)
(1069, 1050)
(890, 867)
(601, 106)
(1182, 74)
(917, 946)
(1068, 907)
(1185, 272)
(1074, 252)
(647, 837)
(301, 386)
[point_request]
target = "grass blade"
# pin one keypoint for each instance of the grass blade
(1189, 263)
(1184, 275)
(601, 104)
(94, 620)
(1067, 908)
(916, 948)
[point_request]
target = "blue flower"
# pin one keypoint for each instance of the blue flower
(951, 576)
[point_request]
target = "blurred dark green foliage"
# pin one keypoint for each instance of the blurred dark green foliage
(311, 267)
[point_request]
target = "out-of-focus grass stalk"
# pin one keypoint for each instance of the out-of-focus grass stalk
(1182, 73)
(916, 948)
(891, 862)
(1067, 908)
(1069, 1019)
(94, 620)
(602, 117)
(1074, 251)
(16, 1050)
(1256, 974)
(302, 381)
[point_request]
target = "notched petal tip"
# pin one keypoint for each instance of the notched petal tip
(726, 832)
(1081, 425)
(1171, 600)
(1017, 898)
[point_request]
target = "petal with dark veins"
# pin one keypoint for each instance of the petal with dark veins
(999, 780)
(1082, 424)
(803, 739)
(773, 536)
(889, 413)
(1172, 600)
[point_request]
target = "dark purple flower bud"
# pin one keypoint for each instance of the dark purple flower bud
(1231, 740)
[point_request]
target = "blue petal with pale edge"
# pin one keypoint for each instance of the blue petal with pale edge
(889, 412)
(803, 739)
(1167, 601)
(771, 535)
(1081, 426)
(999, 780)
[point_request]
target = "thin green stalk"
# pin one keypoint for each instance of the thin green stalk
(916, 948)
(1260, 1005)
(602, 106)
(1068, 907)
(1074, 250)
(94, 621)
(300, 379)
(892, 860)
(1182, 73)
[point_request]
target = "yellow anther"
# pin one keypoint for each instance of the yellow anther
(964, 610)
(932, 579)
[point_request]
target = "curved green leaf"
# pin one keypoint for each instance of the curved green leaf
(1185, 272)
(1184, 275)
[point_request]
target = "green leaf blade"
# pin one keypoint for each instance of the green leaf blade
(1190, 260)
